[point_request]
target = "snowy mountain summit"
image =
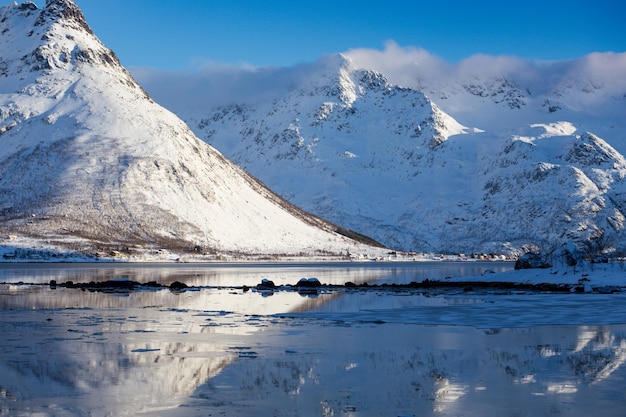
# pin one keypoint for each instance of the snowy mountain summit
(88, 160)
(346, 144)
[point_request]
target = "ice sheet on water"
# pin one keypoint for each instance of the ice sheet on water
(482, 311)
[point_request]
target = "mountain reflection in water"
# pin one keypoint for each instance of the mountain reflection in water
(213, 351)
(247, 274)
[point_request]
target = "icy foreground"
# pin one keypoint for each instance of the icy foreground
(481, 158)
(88, 161)
(374, 351)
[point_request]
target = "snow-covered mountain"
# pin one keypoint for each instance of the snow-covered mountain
(519, 171)
(88, 160)
(505, 95)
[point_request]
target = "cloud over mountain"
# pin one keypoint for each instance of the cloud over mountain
(418, 68)
(212, 83)
(423, 154)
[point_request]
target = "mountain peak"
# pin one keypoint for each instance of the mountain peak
(335, 76)
(54, 37)
(88, 157)
(336, 62)
(67, 10)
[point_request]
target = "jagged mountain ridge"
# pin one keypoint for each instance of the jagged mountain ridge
(292, 122)
(88, 159)
(503, 95)
(384, 160)
(290, 141)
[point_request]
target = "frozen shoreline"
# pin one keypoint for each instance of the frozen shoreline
(584, 274)
(375, 351)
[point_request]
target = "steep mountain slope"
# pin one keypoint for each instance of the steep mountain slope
(338, 139)
(548, 189)
(88, 160)
(384, 160)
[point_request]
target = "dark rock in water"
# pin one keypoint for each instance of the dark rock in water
(53, 284)
(266, 284)
(308, 286)
(177, 285)
(120, 284)
(531, 260)
(117, 284)
(309, 283)
(350, 284)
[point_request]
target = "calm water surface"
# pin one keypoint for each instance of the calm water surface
(222, 351)
(245, 274)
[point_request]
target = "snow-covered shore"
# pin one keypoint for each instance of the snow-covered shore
(587, 274)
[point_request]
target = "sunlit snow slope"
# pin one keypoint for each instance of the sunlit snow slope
(88, 160)
(519, 172)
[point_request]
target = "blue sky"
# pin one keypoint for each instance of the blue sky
(182, 34)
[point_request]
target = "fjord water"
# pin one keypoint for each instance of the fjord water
(247, 274)
(220, 350)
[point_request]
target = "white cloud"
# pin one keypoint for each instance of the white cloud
(416, 67)
(210, 83)
(608, 67)
(406, 66)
